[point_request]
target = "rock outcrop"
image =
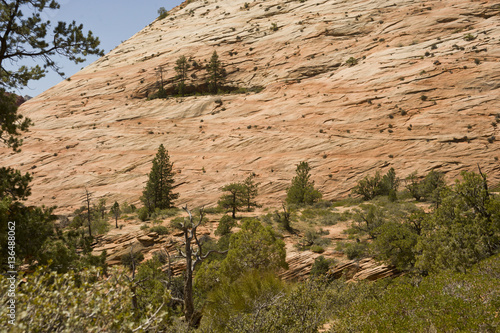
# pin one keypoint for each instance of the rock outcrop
(364, 269)
(349, 86)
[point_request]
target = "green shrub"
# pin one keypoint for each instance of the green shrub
(127, 209)
(226, 223)
(446, 302)
(253, 247)
(395, 244)
(165, 213)
(312, 239)
(242, 297)
(99, 226)
(162, 13)
(317, 249)
(320, 266)
(159, 229)
(351, 62)
(272, 308)
(213, 210)
(143, 214)
(427, 189)
(469, 37)
(320, 216)
(129, 258)
(151, 292)
(144, 227)
(370, 187)
(77, 301)
(463, 229)
(356, 250)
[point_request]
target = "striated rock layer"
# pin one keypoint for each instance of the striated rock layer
(423, 95)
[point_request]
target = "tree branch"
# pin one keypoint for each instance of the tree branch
(149, 320)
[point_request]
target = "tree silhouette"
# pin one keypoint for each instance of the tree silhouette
(158, 192)
(216, 73)
(302, 190)
(116, 211)
(233, 200)
(181, 68)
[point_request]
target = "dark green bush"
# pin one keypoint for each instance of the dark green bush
(446, 302)
(143, 214)
(428, 188)
(77, 301)
(226, 223)
(356, 250)
(351, 62)
(370, 187)
(159, 229)
(162, 13)
(317, 249)
(320, 266)
(129, 258)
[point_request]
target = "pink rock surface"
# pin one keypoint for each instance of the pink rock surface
(97, 130)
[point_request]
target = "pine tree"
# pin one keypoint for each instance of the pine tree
(250, 192)
(27, 35)
(116, 211)
(234, 200)
(302, 190)
(158, 192)
(216, 73)
(181, 68)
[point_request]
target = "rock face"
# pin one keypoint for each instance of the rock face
(349, 86)
(365, 269)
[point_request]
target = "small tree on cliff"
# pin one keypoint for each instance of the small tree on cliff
(233, 200)
(302, 190)
(251, 192)
(240, 195)
(116, 211)
(216, 73)
(181, 68)
(158, 192)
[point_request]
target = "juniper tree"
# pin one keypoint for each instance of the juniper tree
(158, 192)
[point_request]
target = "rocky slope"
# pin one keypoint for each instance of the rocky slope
(130, 238)
(423, 95)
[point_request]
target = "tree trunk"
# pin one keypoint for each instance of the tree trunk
(188, 282)
(234, 205)
(88, 214)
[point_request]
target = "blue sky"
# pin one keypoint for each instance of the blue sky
(112, 21)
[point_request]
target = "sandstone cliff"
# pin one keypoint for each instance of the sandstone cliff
(424, 94)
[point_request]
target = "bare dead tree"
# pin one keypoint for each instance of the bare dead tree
(193, 258)
(87, 198)
(133, 288)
